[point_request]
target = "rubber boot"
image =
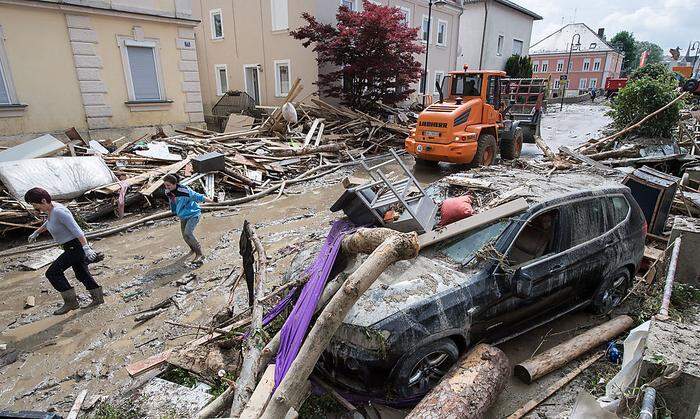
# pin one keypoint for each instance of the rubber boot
(97, 297)
(70, 302)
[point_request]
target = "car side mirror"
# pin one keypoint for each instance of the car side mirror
(522, 283)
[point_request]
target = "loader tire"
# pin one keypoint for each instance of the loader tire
(485, 151)
(511, 147)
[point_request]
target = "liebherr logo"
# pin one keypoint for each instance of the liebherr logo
(433, 124)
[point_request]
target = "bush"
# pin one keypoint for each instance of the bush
(519, 66)
(643, 96)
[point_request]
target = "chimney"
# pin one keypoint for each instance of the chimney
(601, 33)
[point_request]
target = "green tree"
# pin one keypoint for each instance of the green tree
(656, 54)
(649, 89)
(624, 41)
(519, 66)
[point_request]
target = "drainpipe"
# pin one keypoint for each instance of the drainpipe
(483, 34)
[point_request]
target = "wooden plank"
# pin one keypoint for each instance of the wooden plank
(42, 259)
(475, 221)
(151, 362)
(149, 189)
(585, 159)
(126, 144)
(471, 183)
(310, 134)
(144, 177)
(261, 395)
(652, 253)
(75, 410)
(320, 134)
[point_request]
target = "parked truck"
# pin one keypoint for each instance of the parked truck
(480, 113)
(613, 86)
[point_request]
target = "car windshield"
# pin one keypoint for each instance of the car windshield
(463, 248)
(466, 85)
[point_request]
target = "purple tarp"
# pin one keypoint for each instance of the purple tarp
(295, 327)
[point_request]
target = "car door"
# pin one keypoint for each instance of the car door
(585, 259)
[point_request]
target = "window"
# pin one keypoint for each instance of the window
(493, 96)
(439, 75)
(535, 66)
(587, 213)
(4, 91)
(142, 69)
(442, 33)
(593, 83)
(582, 83)
(560, 65)
(221, 74)
(556, 83)
(7, 92)
(423, 87)
(217, 25)
(586, 64)
(537, 238)
(596, 64)
(406, 15)
(571, 65)
(499, 46)
(350, 4)
(464, 247)
(517, 47)
(545, 66)
(424, 29)
(620, 209)
(593, 45)
(283, 78)
(280, 15)
(466, 85)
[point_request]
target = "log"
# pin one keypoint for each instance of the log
(326, 148)
(534, 402)
(558, 356)
(469, 388)
(585, 159)
(217, 405)
(248, 378)
(396, 246)
(670, 277)
(548, 153)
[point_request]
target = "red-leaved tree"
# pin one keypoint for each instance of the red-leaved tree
(370, 54)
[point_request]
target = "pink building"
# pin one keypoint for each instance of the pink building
(593, 60)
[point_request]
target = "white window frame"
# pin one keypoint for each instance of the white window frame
(442, 23)
(424, 35)
(6, 74)
(272, 16)
(586, 64)
(407, 15)
(522, 46)
(545, 66)
(593, 82)
(596, 64)
(582, 83)
(535, 66)
(556, 84)
(499, 44)
(219, 88)
(213, 12)
(123, 42)
(442, 76)
(354, 4)
(560, 65)
(278, 81)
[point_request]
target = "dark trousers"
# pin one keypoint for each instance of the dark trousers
(73, 256)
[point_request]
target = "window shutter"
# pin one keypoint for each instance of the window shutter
(142, 64)
(4, 96)
(280, 15)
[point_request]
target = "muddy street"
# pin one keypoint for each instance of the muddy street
(60, 355)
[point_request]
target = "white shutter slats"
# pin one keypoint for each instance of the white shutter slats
(142, 64)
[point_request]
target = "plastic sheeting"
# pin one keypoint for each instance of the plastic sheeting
(63, 177)
(289, 113)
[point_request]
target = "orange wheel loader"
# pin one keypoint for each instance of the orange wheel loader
(479, 115)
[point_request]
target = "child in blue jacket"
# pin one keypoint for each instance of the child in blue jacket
(184, 204)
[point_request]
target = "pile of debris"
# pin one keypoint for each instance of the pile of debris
(250, 159)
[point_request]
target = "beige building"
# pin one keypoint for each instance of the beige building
(104, 67)
(246, 46)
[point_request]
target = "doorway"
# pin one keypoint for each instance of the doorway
(251, 77)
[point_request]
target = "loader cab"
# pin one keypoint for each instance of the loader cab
(467, 85)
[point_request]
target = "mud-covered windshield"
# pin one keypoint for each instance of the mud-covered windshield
(462, 249)
(466, 84)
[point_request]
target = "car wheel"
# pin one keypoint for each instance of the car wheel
(511, 147)
(485, 151)
(611, 291)
(420, 371)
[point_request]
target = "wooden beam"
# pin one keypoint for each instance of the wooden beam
(261, 395)
(585, 159)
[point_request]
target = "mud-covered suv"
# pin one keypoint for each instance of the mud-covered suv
(489, 284)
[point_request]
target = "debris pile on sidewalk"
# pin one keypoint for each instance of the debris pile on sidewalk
(246, 161)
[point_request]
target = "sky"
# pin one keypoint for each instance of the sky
(668, 23)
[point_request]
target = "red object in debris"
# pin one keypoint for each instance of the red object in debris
(455, 209)
(612, 86)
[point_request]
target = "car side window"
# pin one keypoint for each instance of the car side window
(587, 221)
(620, 209)
(539, 237)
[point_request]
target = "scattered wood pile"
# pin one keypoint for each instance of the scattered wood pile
(258, 156)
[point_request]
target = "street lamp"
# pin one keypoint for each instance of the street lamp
(568, 65)
(427, 44)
